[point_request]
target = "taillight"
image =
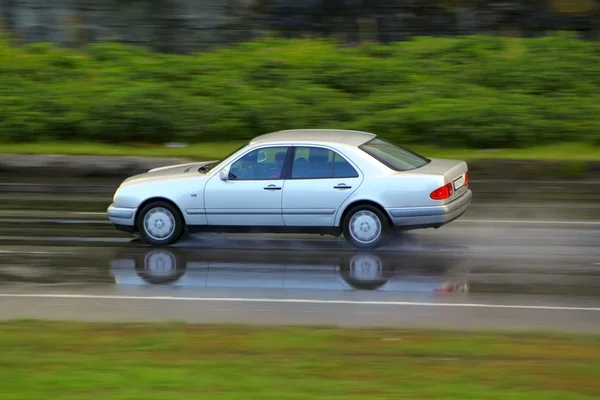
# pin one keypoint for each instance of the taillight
(467, 178)
(442, 193)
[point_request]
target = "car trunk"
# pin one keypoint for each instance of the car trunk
(454, 172)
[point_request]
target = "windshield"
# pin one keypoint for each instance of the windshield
(395, 157)
(208, 167)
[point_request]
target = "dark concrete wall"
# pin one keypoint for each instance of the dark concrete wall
(184, 25)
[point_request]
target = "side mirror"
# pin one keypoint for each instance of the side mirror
(224, 174)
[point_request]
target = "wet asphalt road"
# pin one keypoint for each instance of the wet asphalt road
(477, 273)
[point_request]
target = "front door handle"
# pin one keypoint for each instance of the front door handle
(272, 187)
(342, 186)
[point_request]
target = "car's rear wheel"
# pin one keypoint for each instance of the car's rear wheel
(160, 223)
(366, 227)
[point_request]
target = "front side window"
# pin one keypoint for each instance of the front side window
(395, 157)
(320, 163)
(260, 164)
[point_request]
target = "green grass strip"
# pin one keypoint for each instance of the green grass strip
(42, 360)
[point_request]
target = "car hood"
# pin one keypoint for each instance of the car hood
(169, 171)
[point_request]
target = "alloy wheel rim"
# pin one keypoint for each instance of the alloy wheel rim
(365, 227)
(159, 223)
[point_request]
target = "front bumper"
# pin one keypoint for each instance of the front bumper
(122, 218)
(430, 217)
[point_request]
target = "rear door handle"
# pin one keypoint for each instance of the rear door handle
(342, 186)
(272, 187)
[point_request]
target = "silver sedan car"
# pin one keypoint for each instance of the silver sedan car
(335, 182)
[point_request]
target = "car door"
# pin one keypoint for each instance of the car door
(319, 182)
(251, 193)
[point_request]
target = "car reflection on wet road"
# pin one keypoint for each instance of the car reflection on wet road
(304, 270)
(472, 275)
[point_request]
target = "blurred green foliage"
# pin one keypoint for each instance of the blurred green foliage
(475, 91)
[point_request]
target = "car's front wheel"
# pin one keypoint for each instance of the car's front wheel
(159, 223)
(366, 227)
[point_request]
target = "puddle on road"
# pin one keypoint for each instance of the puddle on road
(188, 267)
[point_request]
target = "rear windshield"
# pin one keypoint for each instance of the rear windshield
(395, 157)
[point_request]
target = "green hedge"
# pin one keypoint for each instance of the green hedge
(470, 91)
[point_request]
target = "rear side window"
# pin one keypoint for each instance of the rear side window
(320, 163)
(342, 168)
(394, 157)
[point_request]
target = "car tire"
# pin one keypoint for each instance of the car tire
(160, 223)
(366, 227)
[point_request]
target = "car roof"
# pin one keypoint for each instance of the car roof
(316, 136)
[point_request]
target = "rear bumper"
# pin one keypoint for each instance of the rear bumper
(122, 218)
(430, 217)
